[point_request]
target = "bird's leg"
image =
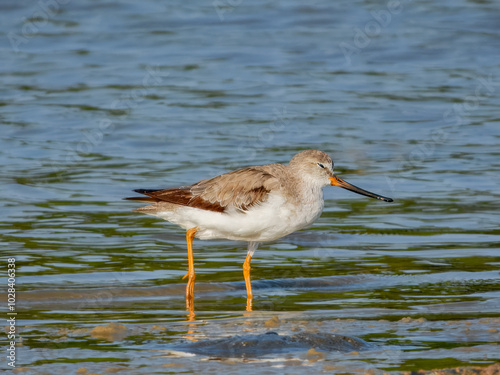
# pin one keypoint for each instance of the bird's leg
(190, 284)
(246, 275)
(252, 246)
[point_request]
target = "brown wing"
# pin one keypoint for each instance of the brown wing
(240, 189)
(181, 196)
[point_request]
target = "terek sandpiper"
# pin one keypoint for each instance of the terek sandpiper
(254, 204)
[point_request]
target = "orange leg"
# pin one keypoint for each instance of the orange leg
(191, 276)
(246, 275)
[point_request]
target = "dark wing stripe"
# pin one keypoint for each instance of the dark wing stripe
(146, 191)
(182, 197)
(142, 199)
(202, 204)
(259, 194)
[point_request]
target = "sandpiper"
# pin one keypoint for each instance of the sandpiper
(254, 204)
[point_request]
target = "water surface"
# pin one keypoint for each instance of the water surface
(100, 98)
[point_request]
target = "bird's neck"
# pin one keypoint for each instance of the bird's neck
(308, 190)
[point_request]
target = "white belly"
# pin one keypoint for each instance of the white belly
(269, 221)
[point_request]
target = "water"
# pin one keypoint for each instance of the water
(99, 98)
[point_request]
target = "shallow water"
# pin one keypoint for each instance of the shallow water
(100, 98)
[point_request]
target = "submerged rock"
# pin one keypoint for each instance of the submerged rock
(110, 332)
(271, 342)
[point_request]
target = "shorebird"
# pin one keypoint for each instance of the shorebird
(254, 204)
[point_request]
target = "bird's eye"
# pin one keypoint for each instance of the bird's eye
(321, 165)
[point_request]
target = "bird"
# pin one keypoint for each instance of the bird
(253, 204)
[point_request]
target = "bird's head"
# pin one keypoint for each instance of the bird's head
(317, 167)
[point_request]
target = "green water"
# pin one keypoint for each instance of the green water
(108, 97)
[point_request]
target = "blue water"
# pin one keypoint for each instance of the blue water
(101, 97)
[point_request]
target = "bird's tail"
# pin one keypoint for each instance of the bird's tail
(144, 199)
